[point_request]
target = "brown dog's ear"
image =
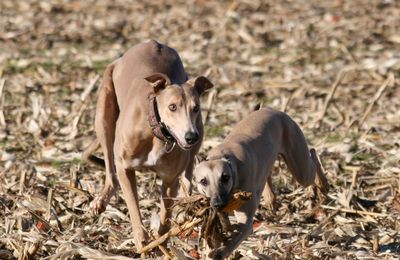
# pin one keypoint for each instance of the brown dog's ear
(201, 84)
(158, 81)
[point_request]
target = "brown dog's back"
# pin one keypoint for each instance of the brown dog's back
(143, 60)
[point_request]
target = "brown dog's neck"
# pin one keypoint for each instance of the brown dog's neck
(157, 126)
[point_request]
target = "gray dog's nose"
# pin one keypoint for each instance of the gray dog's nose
(191, 137)
(217, 203)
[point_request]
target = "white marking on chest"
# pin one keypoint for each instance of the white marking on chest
(241, 217)
(152, 157)
(135, 162)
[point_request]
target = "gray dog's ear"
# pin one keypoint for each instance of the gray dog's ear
(198, 158)
(158, 81)
(226, 159)
(201, 84)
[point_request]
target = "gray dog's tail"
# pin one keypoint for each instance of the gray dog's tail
(90, 158)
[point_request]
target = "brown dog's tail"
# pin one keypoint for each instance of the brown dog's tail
(88, 156)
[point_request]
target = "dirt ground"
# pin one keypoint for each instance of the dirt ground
(334, 66)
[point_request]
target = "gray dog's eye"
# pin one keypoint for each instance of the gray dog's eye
(203, 181)
(196, 108)
(225, 178)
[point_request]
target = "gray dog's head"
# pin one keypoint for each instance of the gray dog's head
(215, 179)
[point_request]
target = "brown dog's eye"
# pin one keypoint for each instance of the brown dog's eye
(203, 181)
(196, 108)
(225, 178)
(172, 107)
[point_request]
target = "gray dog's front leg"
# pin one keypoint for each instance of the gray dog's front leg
(244, 217)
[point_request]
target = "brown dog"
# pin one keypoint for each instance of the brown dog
(146, 105)
(244, 162)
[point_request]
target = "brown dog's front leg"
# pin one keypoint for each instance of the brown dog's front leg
(127, 181)
(185, 188)
(168, 193)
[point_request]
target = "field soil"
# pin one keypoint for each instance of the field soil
(333, 66)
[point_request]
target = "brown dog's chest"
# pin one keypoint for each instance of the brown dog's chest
(159, 161)
(147, 160)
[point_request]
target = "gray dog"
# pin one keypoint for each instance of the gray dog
(244, 162)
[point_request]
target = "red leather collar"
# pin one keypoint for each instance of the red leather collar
(157, 126)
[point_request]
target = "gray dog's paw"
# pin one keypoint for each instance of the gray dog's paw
(218, 254)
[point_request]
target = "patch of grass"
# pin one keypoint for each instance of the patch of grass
(51, 183)
(11, 66)
(334, 138)
(66, 92)
(57, 164)
(67, 66)
(354, 136)
(76, 161)
(100, 65)
(63, 94)
(363, 156)
(340, 182)
(278, 183)
(48, 65)
(266, 100)
(3, 143)
(214, 131)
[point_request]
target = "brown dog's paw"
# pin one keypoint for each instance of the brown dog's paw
(140, 237)
(98, 205)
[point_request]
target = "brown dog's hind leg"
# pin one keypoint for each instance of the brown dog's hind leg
(107, 112)
(88, 156)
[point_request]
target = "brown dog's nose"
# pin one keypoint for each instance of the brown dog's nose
(191, 137)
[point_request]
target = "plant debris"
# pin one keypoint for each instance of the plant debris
(215, 225)
(333, 66)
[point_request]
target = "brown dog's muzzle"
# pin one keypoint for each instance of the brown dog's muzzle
(191, 137)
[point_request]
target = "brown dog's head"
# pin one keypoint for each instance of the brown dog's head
(179, 106)
(214, 178)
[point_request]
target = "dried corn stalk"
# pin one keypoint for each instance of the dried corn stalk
(197, 211)
(215, 223)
